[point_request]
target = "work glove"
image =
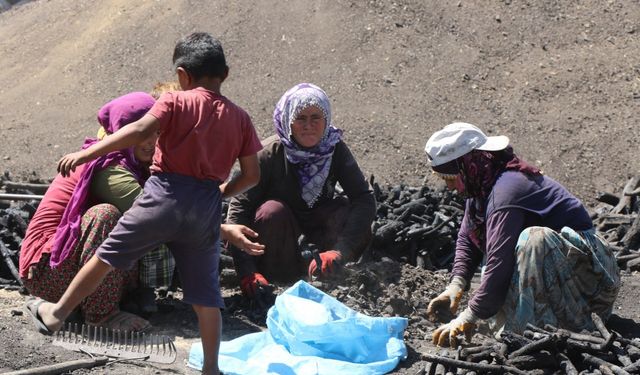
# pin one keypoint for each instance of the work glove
(448, 333)
(249, 284)
(330, 261)
(446, 304)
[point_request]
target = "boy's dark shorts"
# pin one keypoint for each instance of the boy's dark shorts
(184, 213)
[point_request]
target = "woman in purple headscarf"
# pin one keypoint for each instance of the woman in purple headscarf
(77, 214)
(300, 167)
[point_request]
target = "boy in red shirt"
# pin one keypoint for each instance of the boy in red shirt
(201, 134)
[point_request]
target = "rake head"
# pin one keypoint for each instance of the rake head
(115, 343)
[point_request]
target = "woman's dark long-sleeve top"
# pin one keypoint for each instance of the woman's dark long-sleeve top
(516, 202)
(279, 181)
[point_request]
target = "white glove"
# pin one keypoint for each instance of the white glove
(449, 299)
(448, 333)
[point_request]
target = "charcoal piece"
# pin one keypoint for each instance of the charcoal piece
(387, 233)
(608, 198)
(538, 360)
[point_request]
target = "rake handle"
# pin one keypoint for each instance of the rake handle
(60, 368)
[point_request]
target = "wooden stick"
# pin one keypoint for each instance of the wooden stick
(623, 358)
(586, 338)
(465, 352)
(543, 343)
(513, 339)
(471, 366)
(633, 368)
(35, 188)
(548, 328)
(597, 321)
(602, 364)
(483, 355)
(566, 364)
(60, 368)
(632, 193)
(635, 342)
(633, 262)
(633, 255)
(625, 201)
(20, 197)
(632, 236)
(533, 361)
(500, 356)
(7, 259)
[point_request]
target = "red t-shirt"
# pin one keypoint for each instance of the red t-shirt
(201, 134)
(42, 227)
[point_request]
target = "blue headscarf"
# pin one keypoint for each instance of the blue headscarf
(313, 163)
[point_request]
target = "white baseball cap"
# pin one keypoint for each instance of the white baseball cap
(458, 139)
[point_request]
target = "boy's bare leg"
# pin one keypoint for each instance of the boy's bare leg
(210, 323)
(83, 284)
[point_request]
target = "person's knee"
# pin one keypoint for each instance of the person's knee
(103, 213)
(273, 211)
(103, 209)
(534, 235)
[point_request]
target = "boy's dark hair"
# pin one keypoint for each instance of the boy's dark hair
(200, 55)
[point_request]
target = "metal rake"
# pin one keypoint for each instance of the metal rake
(117, 344)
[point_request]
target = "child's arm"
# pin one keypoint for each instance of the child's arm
(128, 136)
(249, 176)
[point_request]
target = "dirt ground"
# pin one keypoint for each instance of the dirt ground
(560, 78)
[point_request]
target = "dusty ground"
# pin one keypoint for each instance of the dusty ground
(560, 78)
(390, 289)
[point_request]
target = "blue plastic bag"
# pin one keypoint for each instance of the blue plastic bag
(310, 332)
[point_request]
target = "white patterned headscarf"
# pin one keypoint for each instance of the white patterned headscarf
(313, 163)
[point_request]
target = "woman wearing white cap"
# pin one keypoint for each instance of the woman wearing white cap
(543, 262)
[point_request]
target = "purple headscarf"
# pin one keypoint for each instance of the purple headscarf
(112, 116)
(313, 163)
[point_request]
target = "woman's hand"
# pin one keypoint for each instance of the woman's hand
(446, 304)
(238, 236)
(69, 162)
(251, 283)
(448, 333)
(330, 262)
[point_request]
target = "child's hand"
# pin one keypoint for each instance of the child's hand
(69, 162)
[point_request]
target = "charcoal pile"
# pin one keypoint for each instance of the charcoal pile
(543, 351)
(388, 288)
(18, 203)
(417, 225)
(617, 219)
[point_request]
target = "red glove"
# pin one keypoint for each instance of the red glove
(330, 259)
(249, 284)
